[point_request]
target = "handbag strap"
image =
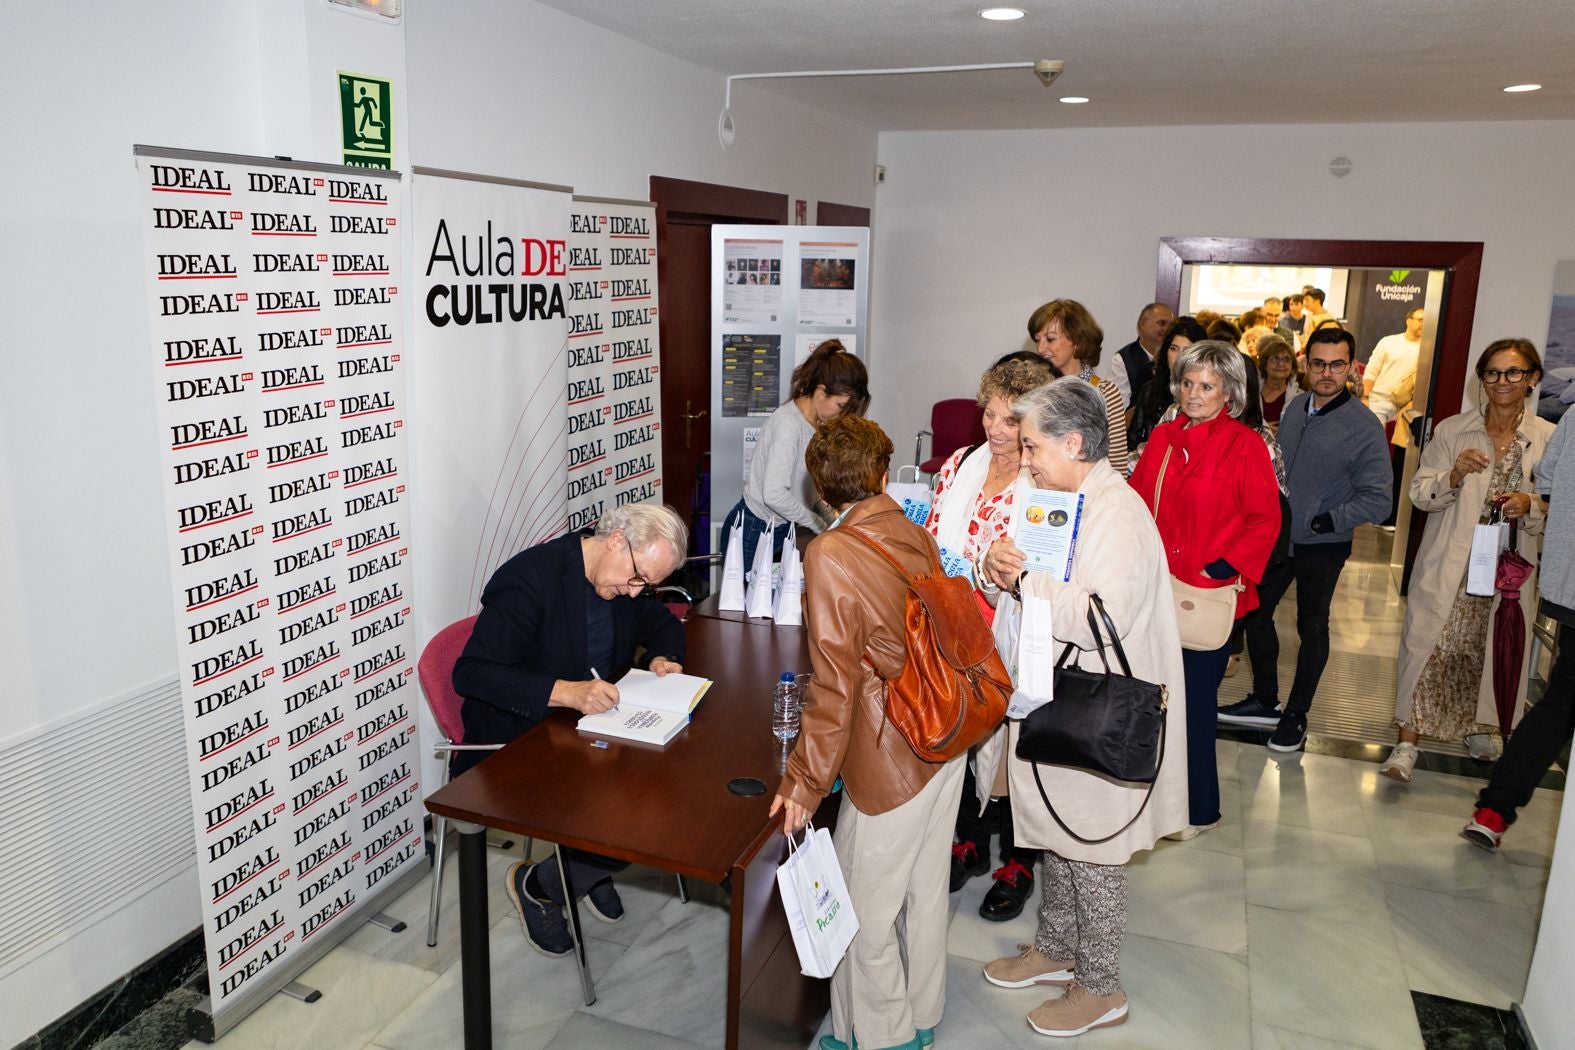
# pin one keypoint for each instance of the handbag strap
(1159, 482)
(1147, 795)
(1095, 602)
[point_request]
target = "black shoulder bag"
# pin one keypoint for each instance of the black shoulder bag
(1105, 723)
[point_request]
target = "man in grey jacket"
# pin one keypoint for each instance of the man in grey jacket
(1550, 722)
(1337, 470)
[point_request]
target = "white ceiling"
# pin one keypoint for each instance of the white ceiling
(1142, 62)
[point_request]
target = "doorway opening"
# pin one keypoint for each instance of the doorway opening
(1356, 693)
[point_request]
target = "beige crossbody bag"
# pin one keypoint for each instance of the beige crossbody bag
(1204, 615)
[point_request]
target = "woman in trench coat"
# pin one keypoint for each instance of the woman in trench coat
(1492, 451)
(1082, 914)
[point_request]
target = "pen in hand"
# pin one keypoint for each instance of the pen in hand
(598, 677)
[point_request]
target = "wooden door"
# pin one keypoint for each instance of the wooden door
(685, 213)
(829, 214)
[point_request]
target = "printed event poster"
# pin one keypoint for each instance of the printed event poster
(614, 378)
(490, 380)
(274, 293)
(828, 284)
(752, 282)
(1046, 529)
(751, 368)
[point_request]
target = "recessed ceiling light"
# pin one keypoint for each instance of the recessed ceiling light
(1001, 14)
(1518, 88)
(1073, 100)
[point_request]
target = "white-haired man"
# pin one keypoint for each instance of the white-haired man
(559, 623)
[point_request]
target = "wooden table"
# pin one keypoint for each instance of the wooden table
(669, 808)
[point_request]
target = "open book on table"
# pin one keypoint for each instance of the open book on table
(651, 709)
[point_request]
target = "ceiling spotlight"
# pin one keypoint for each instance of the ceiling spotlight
(1001, 14)
(1073, 100)
(1516, 89)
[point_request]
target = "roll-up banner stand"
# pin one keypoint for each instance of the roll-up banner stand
(777, 292)
(489, 383)
(614, 388)
(279, 374)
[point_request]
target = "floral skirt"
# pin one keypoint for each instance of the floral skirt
(1444, 705)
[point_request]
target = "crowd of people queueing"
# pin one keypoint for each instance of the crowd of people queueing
(1254, 456)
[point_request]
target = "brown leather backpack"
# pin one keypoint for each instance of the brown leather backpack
(953, 689)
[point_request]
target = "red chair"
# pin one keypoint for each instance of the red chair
(436, 671)
(954, 423)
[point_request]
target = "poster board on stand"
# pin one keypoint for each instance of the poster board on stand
(777, 292)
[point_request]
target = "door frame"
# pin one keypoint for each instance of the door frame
(1462, 260)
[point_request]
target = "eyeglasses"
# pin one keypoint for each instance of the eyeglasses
(1318, 364)
(1509, 375)
(638, 581)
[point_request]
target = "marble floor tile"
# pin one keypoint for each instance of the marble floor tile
(978, 1014)
(673, 978)
(1191, 897)
(1533, 886)
(1337, 980)
(1270, 1037)
(532, 996)
(585, 1030)
(1425, 851)
(1314, 873)
(978, 940)
(360, 993)
(1311, 791)
(410, 945)
(1168, 1014)
(1464, 949)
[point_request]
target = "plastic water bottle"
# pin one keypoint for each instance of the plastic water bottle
(786, 704)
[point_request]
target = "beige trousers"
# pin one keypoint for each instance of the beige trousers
(892, 981)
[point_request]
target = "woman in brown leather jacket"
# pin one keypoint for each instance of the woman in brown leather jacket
(894, 831)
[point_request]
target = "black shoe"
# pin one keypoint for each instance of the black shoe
(604, 902)
(966, 863)
(546, 930)
(1259, 714)
(1290, 734)
(1013, 884)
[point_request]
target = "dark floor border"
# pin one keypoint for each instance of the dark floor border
(123, 1000)
(1451, 1024)
(1338, 747)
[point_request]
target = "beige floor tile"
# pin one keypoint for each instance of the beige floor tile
(1425, 851)
(1167, 1014)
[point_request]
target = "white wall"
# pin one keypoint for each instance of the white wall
(981, 227)
(498, 86)
(1548, 1009)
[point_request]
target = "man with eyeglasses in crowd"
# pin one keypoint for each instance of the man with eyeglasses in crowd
(559, 623)
(1337, 470)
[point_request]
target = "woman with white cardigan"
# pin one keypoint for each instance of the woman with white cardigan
(972, 509)
(1119, 557)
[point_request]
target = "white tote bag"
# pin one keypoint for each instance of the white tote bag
(1022, 637)
(816, 901)
(761, 576)
(913, 496)
(788, 610)
(1487, 541)
(732, 596)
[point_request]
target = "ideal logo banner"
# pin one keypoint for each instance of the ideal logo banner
(614, 388)
(274, 296)
(492, 328)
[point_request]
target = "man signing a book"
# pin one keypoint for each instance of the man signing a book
(559, 623)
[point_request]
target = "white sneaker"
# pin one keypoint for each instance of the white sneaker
(1484, 747)
(1191, 831)
(1401, 763)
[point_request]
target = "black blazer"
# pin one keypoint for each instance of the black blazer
(531, 633)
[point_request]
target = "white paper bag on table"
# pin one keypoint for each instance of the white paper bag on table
(913, 496)
(788, 609)
(760, 576)
(732, 596)
(815, 897)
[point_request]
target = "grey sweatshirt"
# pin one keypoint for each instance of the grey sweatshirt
(1336, 463)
